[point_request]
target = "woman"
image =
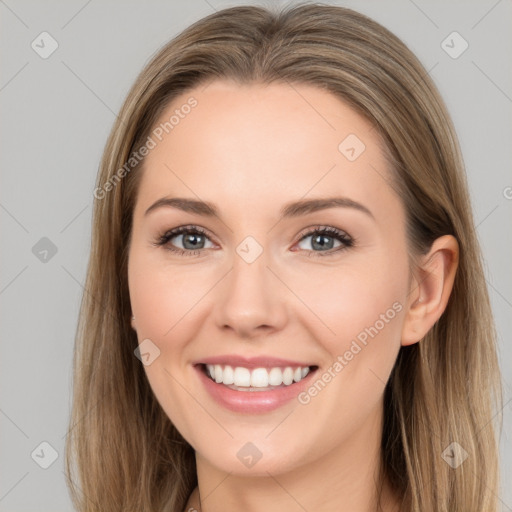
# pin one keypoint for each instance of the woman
(285, 304)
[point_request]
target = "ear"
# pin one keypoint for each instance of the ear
(133, 323)
(430, 288)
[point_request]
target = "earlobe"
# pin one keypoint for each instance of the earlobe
(431, 289)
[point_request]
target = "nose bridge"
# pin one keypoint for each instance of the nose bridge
(251, 298)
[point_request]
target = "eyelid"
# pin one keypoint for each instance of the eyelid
(347, 241)
(178, 230)
(310, 230)
(181, 230)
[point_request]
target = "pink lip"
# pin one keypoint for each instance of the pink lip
(252, 362)
(253, 402)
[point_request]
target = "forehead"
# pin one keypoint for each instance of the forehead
(254, 144)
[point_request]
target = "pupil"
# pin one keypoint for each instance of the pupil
(190, 236)
(322, 244)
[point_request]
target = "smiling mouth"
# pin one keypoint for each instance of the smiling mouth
(257, 379)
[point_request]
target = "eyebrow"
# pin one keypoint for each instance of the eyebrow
(294, 209)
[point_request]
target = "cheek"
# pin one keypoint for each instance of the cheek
(162, 301)
(359, 309)
(161, 296)
(346, 302)
(364, 312)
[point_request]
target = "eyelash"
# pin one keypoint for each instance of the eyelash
(347, 240)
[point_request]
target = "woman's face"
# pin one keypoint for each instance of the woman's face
(261, 286)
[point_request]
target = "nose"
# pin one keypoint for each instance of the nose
(251, 300)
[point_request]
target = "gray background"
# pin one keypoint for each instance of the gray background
(56, 114)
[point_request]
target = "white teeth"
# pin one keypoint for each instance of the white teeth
(228, 376)
(287, 376)
(275, 377)
(242, 377)
(257, 378)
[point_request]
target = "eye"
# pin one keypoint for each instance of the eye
(192, 237)
(324, 237)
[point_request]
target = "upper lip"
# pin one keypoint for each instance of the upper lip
(252, 362)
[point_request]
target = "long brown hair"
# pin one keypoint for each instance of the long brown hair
(444, 389)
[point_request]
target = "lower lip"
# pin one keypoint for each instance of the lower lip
(254, 402)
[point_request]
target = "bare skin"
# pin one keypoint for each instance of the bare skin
(250, 150)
